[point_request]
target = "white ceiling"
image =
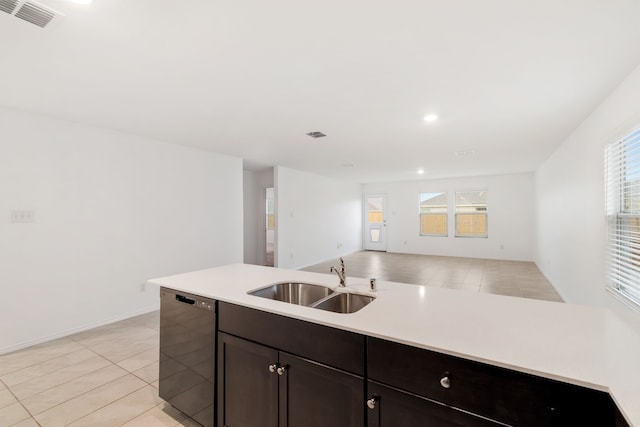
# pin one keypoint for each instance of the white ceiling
(510, 79)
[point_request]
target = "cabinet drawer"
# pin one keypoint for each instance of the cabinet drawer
(395, 408)
(497, 393)
(334, 347)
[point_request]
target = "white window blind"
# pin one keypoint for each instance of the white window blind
(622, 177)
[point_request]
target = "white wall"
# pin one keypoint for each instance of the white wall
(251, 205)
(111, 211)
(254, 185)
(317, 218)
(570, 202)
(510, 217)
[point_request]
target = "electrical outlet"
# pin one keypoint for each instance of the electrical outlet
(22, 217)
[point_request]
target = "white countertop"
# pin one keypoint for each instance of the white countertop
(581, 345)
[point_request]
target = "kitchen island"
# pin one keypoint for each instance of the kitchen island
(583, 346)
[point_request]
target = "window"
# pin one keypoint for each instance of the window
(622, 180)
(471, 214)
(433, 214)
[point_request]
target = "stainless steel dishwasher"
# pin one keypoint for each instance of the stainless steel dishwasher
(187, 354)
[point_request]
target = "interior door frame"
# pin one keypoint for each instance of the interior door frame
(365, 223)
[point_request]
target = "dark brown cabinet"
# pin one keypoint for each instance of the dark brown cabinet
(495, 393)
(247, 390)
(262, 387)
(278, 371)
(316, 395)
(389, 407)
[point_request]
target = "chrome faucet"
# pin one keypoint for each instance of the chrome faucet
(341, 273)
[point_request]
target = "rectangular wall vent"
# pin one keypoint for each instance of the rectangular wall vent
(316, 134)
(35, 13)
(8, 5)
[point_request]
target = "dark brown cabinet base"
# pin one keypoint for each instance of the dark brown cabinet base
(274, 371)
(507, 396)
(247, 390)
(315, 395)
(263, 387)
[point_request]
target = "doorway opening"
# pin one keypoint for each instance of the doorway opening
(270, 227)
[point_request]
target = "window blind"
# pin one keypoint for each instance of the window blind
(622, 186)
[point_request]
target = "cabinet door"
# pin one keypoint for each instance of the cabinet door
(247, 390)
(395, 408)
(315, 395)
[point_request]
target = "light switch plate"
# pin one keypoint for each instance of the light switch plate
(22, 217)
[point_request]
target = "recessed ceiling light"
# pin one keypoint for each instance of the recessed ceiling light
(429, 118)
(420, 171)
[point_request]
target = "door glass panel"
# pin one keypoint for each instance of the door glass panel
(374, 210)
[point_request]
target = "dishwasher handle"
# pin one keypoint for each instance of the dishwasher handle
(185, 299)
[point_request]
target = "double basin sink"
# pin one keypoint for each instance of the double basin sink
(316, 296)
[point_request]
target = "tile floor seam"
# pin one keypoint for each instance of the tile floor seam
(40, 376)
(139, 377)
(111, 403)
(110, 363)
(125, 373)
(25, 409)
(70, 381)
(97, 409)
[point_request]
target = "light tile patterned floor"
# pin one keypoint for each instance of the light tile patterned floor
(513, 278)
(108, 376)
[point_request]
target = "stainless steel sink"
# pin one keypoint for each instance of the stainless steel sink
(293, 292)
(344, 302)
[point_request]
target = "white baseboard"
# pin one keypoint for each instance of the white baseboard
(40, 340)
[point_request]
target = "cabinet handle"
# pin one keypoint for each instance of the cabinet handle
(272, 368)
(281, 370)
(445, 381)
(371, 403)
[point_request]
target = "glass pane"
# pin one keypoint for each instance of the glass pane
(471, 225)
(374, 210)
(433, 203)
(434, 224)
(374, 217)
(471, 201)
(375, 234)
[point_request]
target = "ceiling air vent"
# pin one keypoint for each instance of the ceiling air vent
(36, 14)
(316, 134)
(8, 5)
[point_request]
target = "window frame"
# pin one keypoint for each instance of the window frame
(445, 214)
(485, 213)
